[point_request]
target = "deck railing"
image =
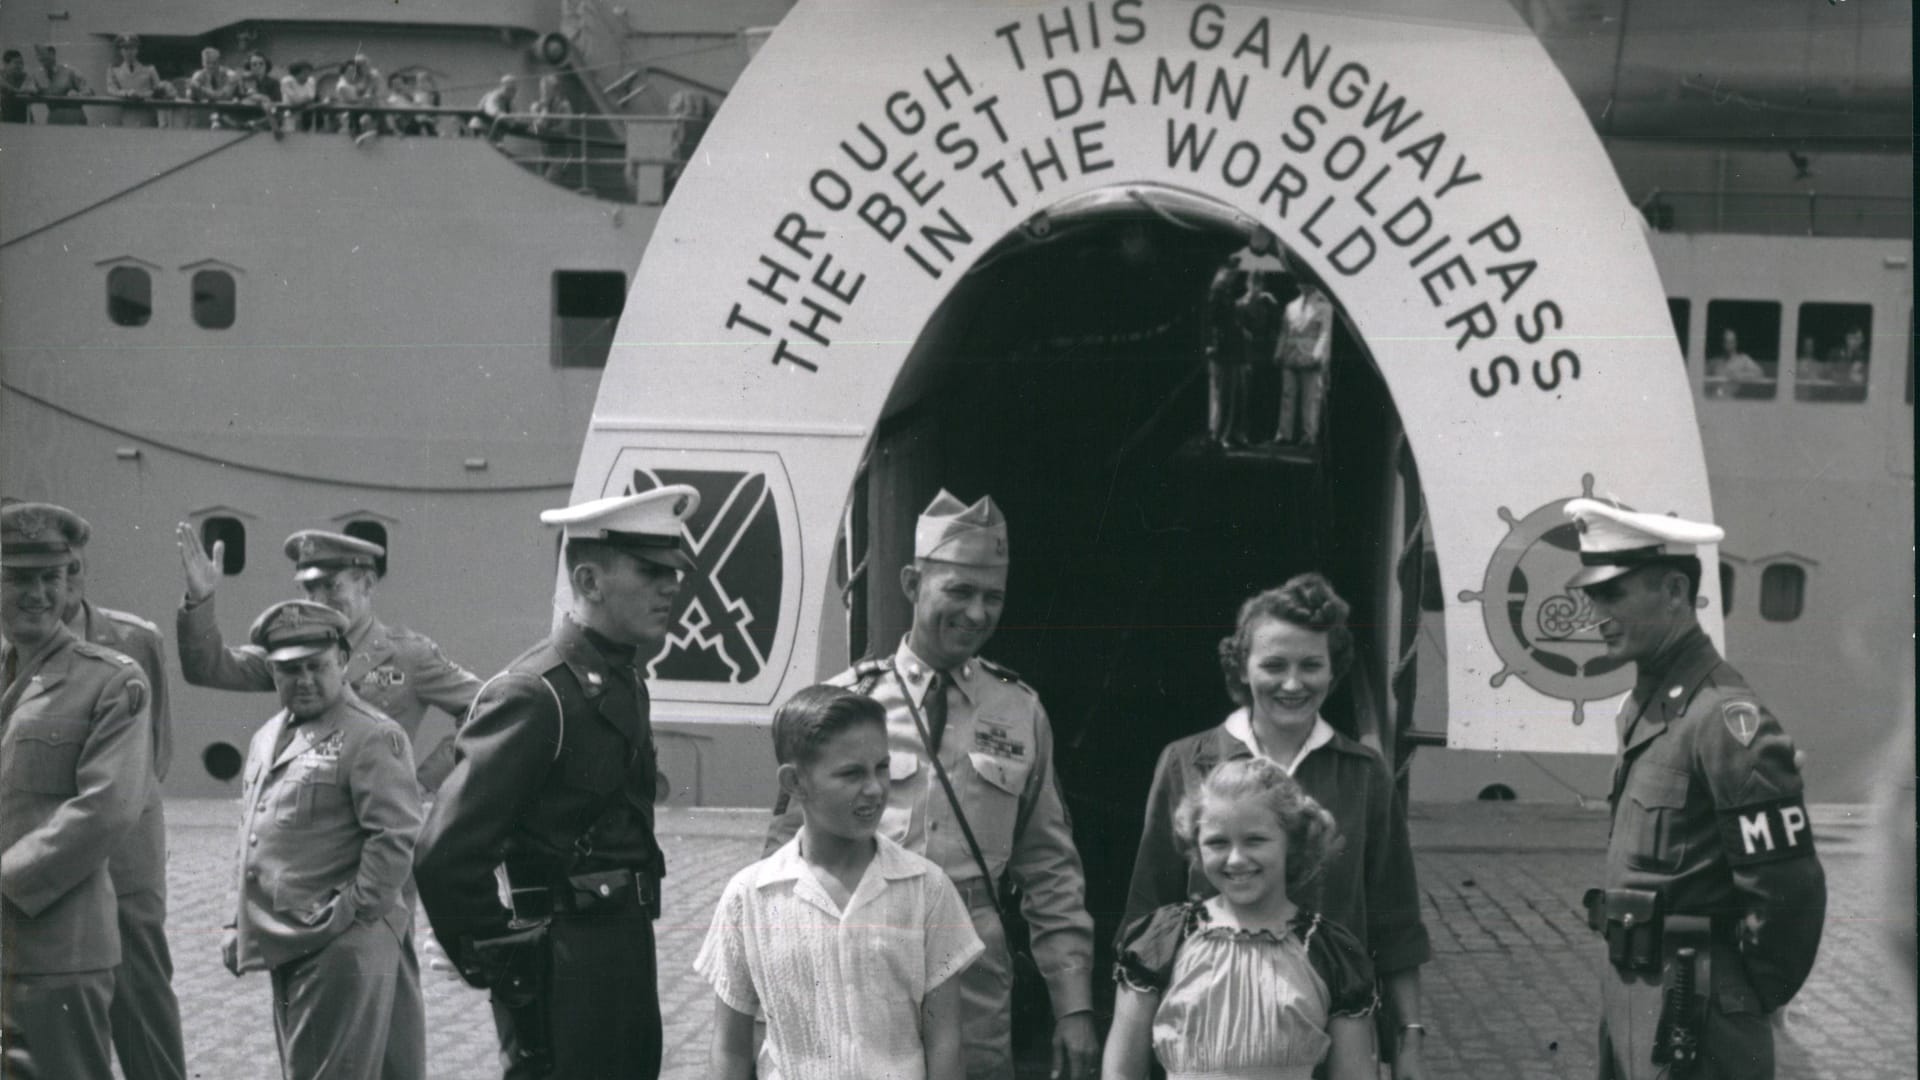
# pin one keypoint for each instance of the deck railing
(616, 156)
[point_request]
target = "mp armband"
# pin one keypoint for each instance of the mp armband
(1766, 832)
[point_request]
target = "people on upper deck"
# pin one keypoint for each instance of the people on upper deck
(299, 89)
(259, 87)
(359, 85)
(551, 105)
(134, 83)
(427, 94)
(14, 82)
(55, 79)
(495, 105)
(215, 82)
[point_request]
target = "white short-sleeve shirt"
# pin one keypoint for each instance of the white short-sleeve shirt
(840, 990)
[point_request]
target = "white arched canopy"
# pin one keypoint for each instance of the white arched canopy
(1426, 159)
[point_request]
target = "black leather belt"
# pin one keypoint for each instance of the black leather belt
(607, 892)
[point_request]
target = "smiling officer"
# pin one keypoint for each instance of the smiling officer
(77, 753)
(391, 668)
(1714, 899)
(990, 740)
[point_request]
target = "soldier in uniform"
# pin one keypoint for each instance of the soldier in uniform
(991, 737)
(329, 814)
(395, 670)
(146, 1014)
(77, 751)
(1714, 898)
(553, 783)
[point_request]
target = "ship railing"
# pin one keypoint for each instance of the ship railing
(618, 156)
(1778, 213)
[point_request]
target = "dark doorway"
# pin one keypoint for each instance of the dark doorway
(1066, 377)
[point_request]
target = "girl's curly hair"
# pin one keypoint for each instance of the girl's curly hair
(1313, 837)
(1306, 600)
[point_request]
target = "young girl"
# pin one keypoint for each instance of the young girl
(1247, 984)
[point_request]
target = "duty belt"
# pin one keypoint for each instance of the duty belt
(604, 892)
(1641, 934)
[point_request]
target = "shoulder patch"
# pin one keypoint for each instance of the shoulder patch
(136, 695)
(1766, 832)
(129, 618)
(1742, 719)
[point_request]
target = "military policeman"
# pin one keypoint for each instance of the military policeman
(987, 735)
(1714, 898)
(76, 748)
(146, 1014)
(553, 782)
(395, 670)
(329, 814)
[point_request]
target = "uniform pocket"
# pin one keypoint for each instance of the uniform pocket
(1653, 801)
(46, 754)
(993, 800)
(309, 789)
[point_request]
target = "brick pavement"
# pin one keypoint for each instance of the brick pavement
(1510, 993)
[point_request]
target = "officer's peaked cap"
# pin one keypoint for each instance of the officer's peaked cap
(1614, 541)
(317, 553)
(650, 525)
(951, 531)
(41, 534)
(293, 629)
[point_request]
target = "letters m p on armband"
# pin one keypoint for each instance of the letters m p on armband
(1766, 832)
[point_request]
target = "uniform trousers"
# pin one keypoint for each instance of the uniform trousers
(353, 1010)
(146, 1015)
(1301, 392)
(1733, 1045)
(55, 1026)
(603, 1001)
(986, 995)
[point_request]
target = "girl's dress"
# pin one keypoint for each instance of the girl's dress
(1243, 1004)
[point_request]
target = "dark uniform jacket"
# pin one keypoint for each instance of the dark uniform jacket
(75, 766)
(548, 792)
(327, 829)
(393, 669)
(1368, 887)
(139, 860)
(1708, 811)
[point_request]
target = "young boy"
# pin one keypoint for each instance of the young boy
(844, 942)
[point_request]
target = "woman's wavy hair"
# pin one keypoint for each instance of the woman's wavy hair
(1306, 600)
(1313, 836)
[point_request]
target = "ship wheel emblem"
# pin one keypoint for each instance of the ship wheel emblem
(1544, 634)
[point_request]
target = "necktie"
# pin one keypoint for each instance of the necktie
(13, 668)
(936, 705)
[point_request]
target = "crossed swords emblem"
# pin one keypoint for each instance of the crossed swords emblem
(708, 618)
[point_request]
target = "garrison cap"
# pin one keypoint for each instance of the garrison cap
(293, 629)
(317, 553)
(1615, 541)
(41, 534)
(951, 531)
(649, 526)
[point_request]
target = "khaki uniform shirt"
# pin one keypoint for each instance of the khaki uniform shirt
(998, 752)
(75, 766)
(326, 833)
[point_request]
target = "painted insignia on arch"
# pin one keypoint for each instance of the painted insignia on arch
(1545, 634)
(727, 611)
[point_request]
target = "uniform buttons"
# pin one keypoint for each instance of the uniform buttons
(254, 838)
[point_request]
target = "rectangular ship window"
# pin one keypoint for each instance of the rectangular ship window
(586, 311)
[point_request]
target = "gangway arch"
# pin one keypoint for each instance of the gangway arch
(900, 206)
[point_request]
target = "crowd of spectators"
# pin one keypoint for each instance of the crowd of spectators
(264, 99)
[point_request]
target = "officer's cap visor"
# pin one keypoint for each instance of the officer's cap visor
(315, 571)
(37, 556)
(667, 551)
(301, 648)
(1595, 575)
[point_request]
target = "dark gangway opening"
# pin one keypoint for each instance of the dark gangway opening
(1066, 377)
